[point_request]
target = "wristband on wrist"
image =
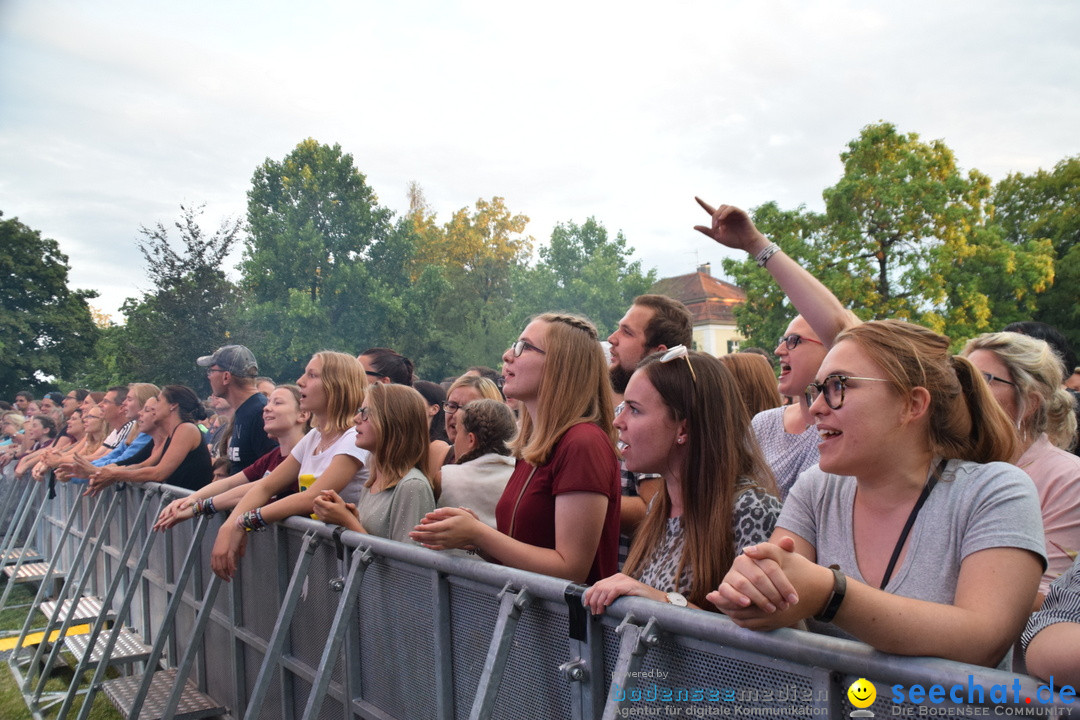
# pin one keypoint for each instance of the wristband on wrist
(837, 596)
(208, 508)
(763, 256)
(251, 521)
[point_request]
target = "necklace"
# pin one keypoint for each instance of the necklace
(328, 440)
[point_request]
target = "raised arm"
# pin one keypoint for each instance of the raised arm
(733, 228)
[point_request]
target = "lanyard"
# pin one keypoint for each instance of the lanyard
(930, 483)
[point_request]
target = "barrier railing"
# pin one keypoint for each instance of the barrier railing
(319, 624)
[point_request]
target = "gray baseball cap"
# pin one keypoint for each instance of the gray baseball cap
(235, 359)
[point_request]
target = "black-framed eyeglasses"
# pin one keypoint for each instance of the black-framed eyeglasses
(372, 373)
(991, 378)
(833, 387)
(451, 407)
(679, 351)
(363, 413)
(522, 345)
(211, 371)
(792, 341)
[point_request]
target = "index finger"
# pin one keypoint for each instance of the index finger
(708, 208)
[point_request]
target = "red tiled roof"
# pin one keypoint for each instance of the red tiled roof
(709, 299)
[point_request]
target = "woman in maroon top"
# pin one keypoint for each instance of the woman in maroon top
(559, 514)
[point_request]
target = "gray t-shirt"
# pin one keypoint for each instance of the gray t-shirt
(787, 454)
(973, 507)
(395, 512)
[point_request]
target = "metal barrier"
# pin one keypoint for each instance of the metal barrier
(330, 625)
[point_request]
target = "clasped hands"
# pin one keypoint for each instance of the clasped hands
(771, 586)
(447, 528)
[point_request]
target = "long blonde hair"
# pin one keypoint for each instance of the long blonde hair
(574, 388)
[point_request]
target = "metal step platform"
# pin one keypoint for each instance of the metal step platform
(15, 555)
(129, 648)
(31, 572)
(193, 704)
(87, 610)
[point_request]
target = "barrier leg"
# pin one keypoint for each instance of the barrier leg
(13, 540)
(281, 629)
(510, 606)
(635, 642)
(346, 611)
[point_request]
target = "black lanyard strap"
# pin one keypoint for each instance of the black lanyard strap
(930, 483)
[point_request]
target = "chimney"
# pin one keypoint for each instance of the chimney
(705, 269)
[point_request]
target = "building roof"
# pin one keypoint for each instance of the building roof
(710, 300)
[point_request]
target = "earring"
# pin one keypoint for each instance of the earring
(679, 440)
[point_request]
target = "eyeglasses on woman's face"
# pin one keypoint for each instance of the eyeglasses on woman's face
(451, 407)
(679, 351)
(363, 414)
(991, 378)
(833, 387)
(522, 345)
(792, 341)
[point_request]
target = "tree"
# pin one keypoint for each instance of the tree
(582, 271)
(907, 236)
(190, 311)
(307, 215)
(45, 328)
(475, 255)
(313, 223)
(1045, 207)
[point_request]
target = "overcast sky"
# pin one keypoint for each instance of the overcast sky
(112, 114)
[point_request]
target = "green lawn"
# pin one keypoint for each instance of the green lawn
(12, 706)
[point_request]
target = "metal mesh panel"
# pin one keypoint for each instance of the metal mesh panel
(532, 685)
(697, 677)
(314, 612)
(220, 671)
(397, 647)
(473, 616)
(258, 578)
(252, 661)
(331, 709)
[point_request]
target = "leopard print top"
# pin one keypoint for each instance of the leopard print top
(753, 519)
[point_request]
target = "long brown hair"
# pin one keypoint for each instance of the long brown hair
(574, 388)
(755, 379)
(966, 421)
(398, 414)
(721, 451)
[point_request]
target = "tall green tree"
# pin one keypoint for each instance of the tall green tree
(1045, 207)
(475, 254)
(46, 330)
(312, 222)
(192, 307)
(906, 235)
(585, 271)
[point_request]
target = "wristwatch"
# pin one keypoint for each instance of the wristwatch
(676, 599)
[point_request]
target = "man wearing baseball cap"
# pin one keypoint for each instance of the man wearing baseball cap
(231, 371)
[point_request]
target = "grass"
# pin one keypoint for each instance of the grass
(12, 705)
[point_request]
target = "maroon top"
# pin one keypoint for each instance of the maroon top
(582, 461)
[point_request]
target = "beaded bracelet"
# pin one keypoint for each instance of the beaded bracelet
(763, 256)
(252, 521)
(196, 508)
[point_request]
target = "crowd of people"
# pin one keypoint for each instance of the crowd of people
(881, 488)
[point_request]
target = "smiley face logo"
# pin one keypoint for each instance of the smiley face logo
(862, 693)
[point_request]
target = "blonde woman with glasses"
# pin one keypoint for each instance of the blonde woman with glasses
(1024, 376)
(559, 513)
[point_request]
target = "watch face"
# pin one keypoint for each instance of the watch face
(676, 599)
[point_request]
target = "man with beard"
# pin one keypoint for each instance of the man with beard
(654, 323)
